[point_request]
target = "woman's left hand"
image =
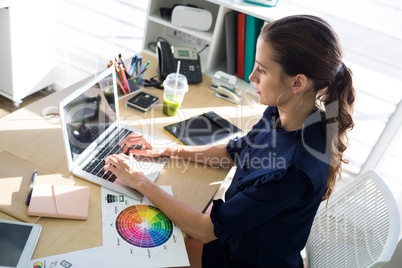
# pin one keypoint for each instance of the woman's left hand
(119, 165)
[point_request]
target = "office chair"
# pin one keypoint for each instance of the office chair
(359, 228)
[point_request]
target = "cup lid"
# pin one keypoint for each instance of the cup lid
(171, 81)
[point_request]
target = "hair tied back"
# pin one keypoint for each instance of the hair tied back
(343, 66)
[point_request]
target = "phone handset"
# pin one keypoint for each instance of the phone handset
(168, 56)
(165, 59)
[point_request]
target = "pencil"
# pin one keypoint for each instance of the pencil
(122, 62)
(116, 66)
(120, 85)
(125, 83)
(132, 85)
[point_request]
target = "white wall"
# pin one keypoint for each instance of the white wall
(87, 32)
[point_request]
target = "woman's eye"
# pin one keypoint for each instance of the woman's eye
(259, 70)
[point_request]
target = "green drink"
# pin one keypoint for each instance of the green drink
(109, 94)
(171, 105)
(175, 86)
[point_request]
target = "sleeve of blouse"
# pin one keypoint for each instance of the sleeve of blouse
(236, 145)
(243, 211)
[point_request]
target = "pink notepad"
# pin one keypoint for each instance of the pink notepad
(59, 201)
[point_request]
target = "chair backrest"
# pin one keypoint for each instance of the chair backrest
(359, 227)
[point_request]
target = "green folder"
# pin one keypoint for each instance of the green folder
(253, 28)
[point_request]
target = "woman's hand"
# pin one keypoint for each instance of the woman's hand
(134, 139)
(119, 165)
(146, 149)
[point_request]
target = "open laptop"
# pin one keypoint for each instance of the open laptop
(91, 131)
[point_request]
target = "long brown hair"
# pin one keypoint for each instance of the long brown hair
(305, 44)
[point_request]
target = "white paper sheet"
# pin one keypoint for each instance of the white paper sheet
(93, 257)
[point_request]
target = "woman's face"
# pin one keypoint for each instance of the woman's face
(267, 75)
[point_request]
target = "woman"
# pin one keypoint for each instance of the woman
(270, 206)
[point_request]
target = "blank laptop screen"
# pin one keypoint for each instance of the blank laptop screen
(88, 115)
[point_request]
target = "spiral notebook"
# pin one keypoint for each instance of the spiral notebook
(207, 128)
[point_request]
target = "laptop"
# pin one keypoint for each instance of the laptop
(91, 131)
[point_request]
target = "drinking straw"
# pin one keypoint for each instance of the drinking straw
(177, 80)
(177, 74)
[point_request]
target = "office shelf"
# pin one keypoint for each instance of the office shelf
(214, 57)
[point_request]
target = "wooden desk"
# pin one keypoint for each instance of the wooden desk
(28, 135)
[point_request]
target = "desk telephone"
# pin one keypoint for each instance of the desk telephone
(168, 56)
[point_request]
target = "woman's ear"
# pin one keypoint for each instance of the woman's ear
(299, 83)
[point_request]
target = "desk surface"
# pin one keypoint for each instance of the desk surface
(27, 134)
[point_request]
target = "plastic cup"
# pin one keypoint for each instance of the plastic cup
(106, 85)
(175, 87)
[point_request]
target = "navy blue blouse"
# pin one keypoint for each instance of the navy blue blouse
(270, 206)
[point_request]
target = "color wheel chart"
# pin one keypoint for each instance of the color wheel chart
(144, 226)
(138, 234)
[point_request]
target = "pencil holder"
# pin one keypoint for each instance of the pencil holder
(126, 83)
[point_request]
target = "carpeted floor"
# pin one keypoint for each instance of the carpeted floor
(7, 106)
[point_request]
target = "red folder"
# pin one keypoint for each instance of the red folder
(241, 37)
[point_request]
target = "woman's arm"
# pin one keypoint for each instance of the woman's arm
(188, 219)
(214, 155)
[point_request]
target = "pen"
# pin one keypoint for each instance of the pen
(31, 187)
(133, 61)
(133, 65)
(146, 65)
(138, 64)
(140, 73)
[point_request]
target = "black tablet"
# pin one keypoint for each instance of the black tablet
(17, 243)
(207, 128)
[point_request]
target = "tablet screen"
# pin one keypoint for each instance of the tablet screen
(14, 238)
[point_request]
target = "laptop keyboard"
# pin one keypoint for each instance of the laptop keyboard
(95, 166)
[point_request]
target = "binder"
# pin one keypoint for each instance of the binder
(253, 28)
(231, 42)
(203, 129)
(241, 35)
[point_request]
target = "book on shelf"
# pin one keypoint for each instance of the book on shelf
(231, 41)
(241, 35)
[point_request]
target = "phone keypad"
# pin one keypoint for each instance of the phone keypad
(190, 71)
